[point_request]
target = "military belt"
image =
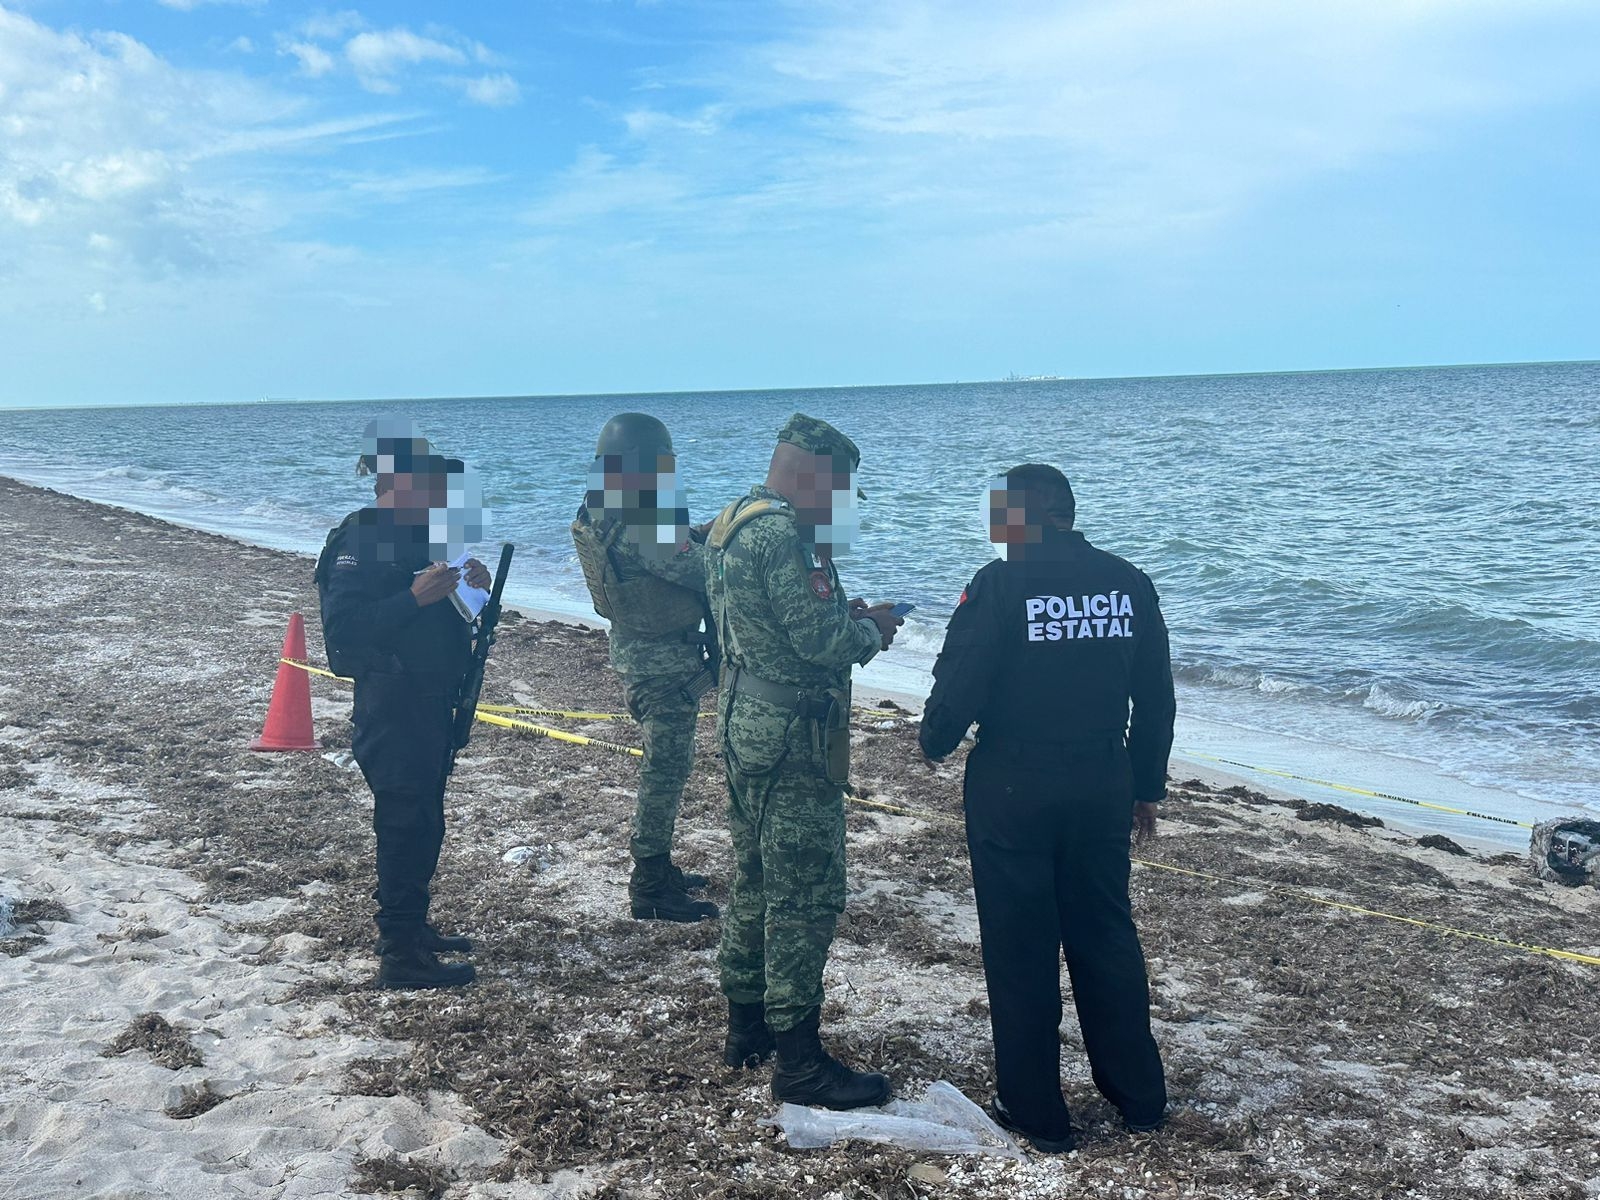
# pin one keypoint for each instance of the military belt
(691, 637)
(796, 699)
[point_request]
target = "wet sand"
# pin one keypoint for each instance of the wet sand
(163, 868)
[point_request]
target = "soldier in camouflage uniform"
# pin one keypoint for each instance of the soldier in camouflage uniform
(789, 640)
(646, 574)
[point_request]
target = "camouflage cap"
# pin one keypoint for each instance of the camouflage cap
(818, 437)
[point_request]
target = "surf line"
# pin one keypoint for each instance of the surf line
(1355, 791)
(1472, 935)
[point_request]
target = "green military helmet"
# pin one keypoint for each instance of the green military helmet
(634, 432)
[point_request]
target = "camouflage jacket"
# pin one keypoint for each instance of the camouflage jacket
(635, 654)
(787, 617)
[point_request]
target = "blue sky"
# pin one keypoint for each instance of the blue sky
(214, 200)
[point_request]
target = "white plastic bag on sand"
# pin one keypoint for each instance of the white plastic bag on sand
(518, 855)
(943, 1121)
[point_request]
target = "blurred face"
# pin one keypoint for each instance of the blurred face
(411, 494)
(1006, 512)
(824, 497)
(641, 493)
(449, 504)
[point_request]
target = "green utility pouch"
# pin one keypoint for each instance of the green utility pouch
(831, 737)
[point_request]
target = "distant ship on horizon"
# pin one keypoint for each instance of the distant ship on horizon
(1015, 378)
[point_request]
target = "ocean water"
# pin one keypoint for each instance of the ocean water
(1382, 575)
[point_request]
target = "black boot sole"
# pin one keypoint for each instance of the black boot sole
(655, 912)
(812, 1100)
(442, 946)
(406, 985)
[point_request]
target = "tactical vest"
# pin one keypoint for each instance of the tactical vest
(728, 523)
(645, 604)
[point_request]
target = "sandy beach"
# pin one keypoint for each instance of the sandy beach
(159, 867)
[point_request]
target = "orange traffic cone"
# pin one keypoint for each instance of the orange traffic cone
(288, 724)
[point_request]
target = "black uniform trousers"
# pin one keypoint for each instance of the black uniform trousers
(1048, 834)
(402, 736)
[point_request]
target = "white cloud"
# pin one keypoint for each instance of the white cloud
(326, 27)
(315, 62)
(240, 45)
(156, 169)
(191, 5)
(1025, 132)
(493, 91)
(378, 56)
(404, 184)
(650, 122)
(382, 60)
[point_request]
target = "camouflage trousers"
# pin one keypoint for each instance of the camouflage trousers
(788, 888)
(668, 718)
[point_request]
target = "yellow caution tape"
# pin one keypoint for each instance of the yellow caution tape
(570, 714)
(304, 666)
(1355, 791)
(576, 739)
(901, 810)
(1492, 939)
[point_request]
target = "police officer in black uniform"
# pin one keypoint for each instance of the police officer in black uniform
(387, 622)
(1049, 648)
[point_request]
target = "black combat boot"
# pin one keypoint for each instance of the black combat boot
(657, 896)
(412, 965)
(687, 880)
(432, 939)
(750, 1042)
(807, 1074)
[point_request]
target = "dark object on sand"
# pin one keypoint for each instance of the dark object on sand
(169, 1047)
(1438, 841)
(1566, 851)
(375, 1176)
(1339, 816)
(195, 1101)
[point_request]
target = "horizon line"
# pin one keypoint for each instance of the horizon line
(837, 387)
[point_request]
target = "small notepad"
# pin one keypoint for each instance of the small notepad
(469, 601)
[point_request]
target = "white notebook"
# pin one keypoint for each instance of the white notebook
(469, 601)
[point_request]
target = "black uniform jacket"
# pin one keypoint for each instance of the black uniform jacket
(370, 620)
(1052, 650)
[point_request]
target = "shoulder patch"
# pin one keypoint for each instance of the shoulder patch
(821, 586)
(963, 599)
